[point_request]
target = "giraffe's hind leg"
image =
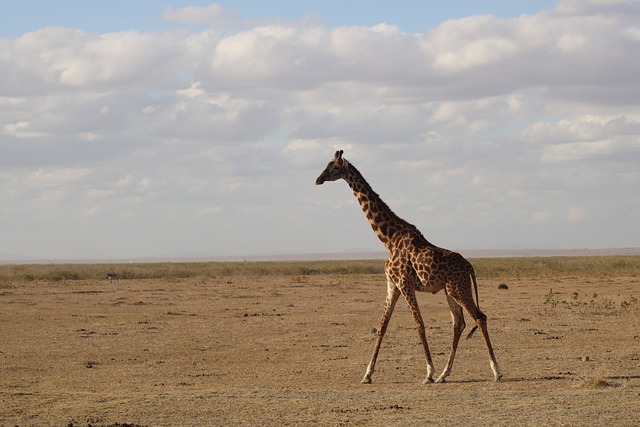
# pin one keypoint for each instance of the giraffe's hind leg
(482, 324)
(457, 317)
(410, 297)
(481, 321)
(463, 297)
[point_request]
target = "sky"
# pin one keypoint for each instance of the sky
(176, 129)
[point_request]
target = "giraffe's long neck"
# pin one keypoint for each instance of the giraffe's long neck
(384, 222)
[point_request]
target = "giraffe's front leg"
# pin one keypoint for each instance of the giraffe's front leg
(392, 297)
(370, 368)
(429, 378)
(497, 373)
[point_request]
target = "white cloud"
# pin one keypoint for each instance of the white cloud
(455, 49)
(542, 215)
(17, 129)
(575, 214)
(194, 91)
(588, 137)
(593, 7)
(209, 15)
(633, 33)
(150, 109)
(210, 210)
(480, 129)
(58, 175)
(575, 151)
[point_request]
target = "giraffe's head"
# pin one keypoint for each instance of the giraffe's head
(335, 170)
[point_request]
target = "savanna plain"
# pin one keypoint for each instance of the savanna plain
(287, 343)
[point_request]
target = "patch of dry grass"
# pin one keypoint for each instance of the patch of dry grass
(597, 381)
(486, 268)
(182, 270)
(591, 303)
(544, 267)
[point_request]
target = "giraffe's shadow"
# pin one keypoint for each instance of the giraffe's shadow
(567, 377)
(531, 379)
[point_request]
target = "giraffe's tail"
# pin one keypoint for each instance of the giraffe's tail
(475, 286)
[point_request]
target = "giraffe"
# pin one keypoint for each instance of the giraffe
(414, 265)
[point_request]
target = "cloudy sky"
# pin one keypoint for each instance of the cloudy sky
(186, 128)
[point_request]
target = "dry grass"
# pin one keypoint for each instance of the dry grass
(596, 382)
(578, 267)
(286, 344)
(183, 270)
(486, 268)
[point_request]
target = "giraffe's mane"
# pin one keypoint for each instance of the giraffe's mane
(375, 197)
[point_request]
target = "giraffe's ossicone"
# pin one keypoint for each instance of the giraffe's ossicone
(414, 264)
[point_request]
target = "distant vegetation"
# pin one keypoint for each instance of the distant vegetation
(493, 268)
(183, 270)
(589, 266)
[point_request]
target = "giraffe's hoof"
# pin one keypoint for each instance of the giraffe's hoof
(428, 380)
(366, 381)
(441, 380)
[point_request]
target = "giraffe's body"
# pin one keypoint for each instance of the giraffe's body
(414, 264)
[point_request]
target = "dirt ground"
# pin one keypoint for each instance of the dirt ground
(291, 350)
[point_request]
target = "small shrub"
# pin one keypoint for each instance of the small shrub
(595, 304)
(597, 382)
(551, 300)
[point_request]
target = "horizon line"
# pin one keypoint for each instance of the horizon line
(331, 256)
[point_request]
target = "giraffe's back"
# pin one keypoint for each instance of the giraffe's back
(438, 268)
